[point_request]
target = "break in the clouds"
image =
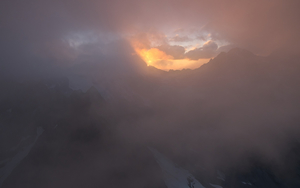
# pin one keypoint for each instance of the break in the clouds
(41, 28)
(158, 51)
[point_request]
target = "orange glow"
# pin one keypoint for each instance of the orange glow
(159, 59)
(152, 55)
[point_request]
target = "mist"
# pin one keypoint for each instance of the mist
(121, 93)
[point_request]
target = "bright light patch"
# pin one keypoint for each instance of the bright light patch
(159, 59)
(152, 55)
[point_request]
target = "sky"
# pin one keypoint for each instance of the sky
(167, 34)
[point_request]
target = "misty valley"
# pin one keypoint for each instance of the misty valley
(232, 122)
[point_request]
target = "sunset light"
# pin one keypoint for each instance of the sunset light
(157, 58)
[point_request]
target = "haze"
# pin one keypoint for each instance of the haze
(149, 93)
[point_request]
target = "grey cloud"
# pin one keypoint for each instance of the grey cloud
(176, 51)
(260, 28)
(208, 50)
(178, 38)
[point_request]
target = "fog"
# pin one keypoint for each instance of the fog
(211, 85)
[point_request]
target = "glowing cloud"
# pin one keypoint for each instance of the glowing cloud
(163, 57)
(152, 55)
